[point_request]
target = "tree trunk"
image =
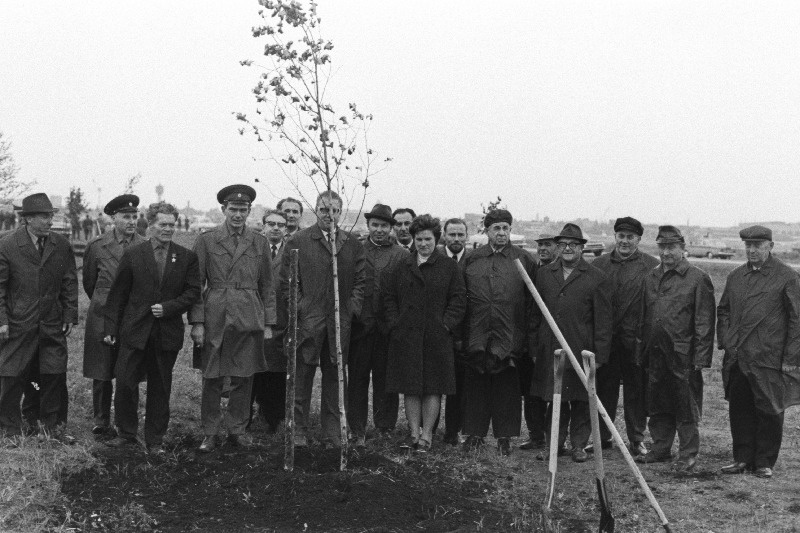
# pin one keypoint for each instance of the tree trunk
(291, 364)
(339, 355)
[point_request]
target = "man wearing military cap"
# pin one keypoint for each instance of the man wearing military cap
(38, 307)
(234, 317)
(627, 267)
(100, 261)
(758, 326)
(579, 297)
(677, 331)
(369, 336)
(496, 334)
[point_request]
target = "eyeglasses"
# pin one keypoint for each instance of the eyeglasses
(279, 224)
(573, 245)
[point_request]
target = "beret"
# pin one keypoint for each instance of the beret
(756, 233)
(669, 235)
(236, 193)
(124, 203)
(497, 215)
(629, 224)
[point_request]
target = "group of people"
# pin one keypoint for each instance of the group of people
(419, 315)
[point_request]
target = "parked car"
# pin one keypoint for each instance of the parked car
(594, 247)
(709, 250)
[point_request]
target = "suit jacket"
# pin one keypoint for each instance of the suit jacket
(100, 262)
(273, 348)
(315, 305)
(37, 295)
(137, 287)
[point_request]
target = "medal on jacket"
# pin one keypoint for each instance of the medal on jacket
(173, 257)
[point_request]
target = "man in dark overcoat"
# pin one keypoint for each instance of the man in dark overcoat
(234, 317)
(38, 307)
(269, 387)
(316, 345)
(156, 282)
(496, 334)
(677, 330)
(100, 261)
(578, 296)
(626, 266)
(369, 337)
(758, 326)
(403, 216)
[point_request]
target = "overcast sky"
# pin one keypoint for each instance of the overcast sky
(666, 111)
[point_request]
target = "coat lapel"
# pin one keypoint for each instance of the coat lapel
(169, 262)
(224, 239)
(49, 247)
(318, 235)
(150, 263)
(244, 242)
(26, 244)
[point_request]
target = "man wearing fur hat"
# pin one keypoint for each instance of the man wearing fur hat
(627, 267)
(496, 335)
(758, 326)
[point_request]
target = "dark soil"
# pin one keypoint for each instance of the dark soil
(233, 490)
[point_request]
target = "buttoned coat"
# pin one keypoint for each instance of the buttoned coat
(678, 312)
(581, 307)
(273, 348)
(379, 262)
(238, 301)
(498, 305)
(100, 261)
(315, 305)
(138, 286)
(424, 304)
(758, 326)
(37, 295)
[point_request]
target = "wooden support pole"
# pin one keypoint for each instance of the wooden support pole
(291, 363)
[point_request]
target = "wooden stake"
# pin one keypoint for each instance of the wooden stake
(291, 363)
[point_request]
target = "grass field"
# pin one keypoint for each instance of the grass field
(46, 486)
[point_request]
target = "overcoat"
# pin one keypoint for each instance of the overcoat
(274, 353)
(758, 326)
(379, 262)
(581, 307)
(498, 305)
(100, 261)
(315, 305)
(37, 295)
(136, 287)
(424, 304)
(678, 311)
(238, 301)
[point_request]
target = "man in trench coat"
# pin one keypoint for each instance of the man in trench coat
(38, 307)
(578, 296)
(677, 313)
(234, 317)
(316, 346)
(100, 262)
(758, 326)
(496, 333)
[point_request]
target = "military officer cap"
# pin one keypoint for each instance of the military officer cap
(669, 235)
(124, 203)
(629, 224)
(497, 215)
(544, 237)
(756, 233)
(571, 231)
(236, 193)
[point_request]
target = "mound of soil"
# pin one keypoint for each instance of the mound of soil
(233, 490)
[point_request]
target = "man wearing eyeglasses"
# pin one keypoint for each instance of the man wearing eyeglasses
(578, 295)
(269, 387)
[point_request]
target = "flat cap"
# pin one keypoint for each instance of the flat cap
(629, 224)
(545, 237)
(756, 233)
(236, 193)
(669, 235)
(497, 215)
(124, 203)
(571, 231)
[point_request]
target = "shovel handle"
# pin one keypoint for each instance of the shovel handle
(555, 419)
(590, 366)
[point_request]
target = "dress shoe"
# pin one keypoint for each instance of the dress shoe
(637, 449)
(504, 446)
(544, 455)
(763, 472)
(118, 442)
(423, 446)
(452, 440)
(409, 443)
(734, 468)
(472, 443)
(209, 444)
(99, 430)
(653, 457)
(531, 444)
(579, 456)
(300, 441)
(605, 445)
(241, 440)
(360, 441)
(685, 465)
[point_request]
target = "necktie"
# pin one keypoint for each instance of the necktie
(274, 250)
(125, 243)
(236, 240)
(40, 245)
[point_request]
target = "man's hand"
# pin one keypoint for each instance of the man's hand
(66, 329)
(4, 333)
(110, 340)
(198, 335)
(158, 310)
(268, 333)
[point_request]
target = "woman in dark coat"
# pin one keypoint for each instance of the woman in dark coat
(425, 301)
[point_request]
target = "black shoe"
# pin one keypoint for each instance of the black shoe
(118, 442)
(734, 468)
(653, 457)
(544, 455)
(606, 445)
(579, 456)
(531, 444)
(452, 440)
(504, 445)
(409, 443)
(763, 472)
(99, 430)
(637, 449)
(473, 443)
(685, 465)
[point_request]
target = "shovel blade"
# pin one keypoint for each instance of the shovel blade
(607, 522)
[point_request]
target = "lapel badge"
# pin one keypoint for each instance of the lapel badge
(173, 257)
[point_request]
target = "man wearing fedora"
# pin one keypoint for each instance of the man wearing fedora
(578, 295)
(758, 326)
(496, 335)
(100, 261)
(369, 336)
(677, 331)
(234, 317)
(38, 307)
(627, 267)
